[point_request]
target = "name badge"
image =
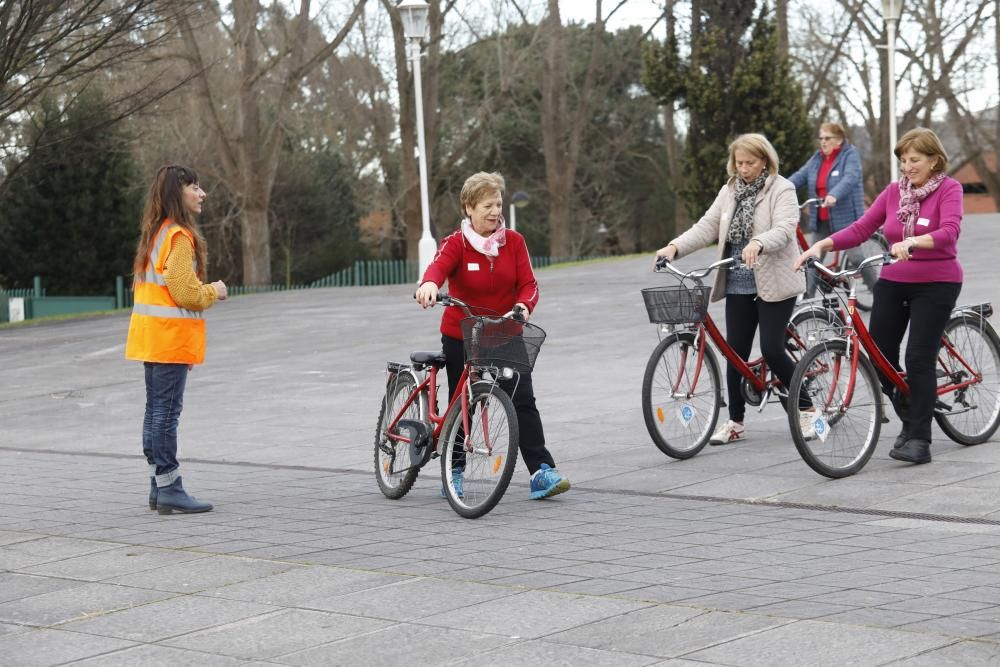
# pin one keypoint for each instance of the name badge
(923, 222)
(835, 172)
(473, 266)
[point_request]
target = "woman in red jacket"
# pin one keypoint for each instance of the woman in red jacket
(488, 266)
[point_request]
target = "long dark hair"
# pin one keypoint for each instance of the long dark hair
(165, 200)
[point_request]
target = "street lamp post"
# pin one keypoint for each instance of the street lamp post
(517, 200)
(891, 9)
(413, 14)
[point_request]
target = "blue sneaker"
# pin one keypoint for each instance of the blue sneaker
(547, 482)
(456, 481)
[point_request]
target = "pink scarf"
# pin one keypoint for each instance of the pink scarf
(910, 198)
(488, 245)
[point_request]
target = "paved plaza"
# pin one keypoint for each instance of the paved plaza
(739, 556)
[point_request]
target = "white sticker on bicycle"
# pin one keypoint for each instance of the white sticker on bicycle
(687, 414)
(821, 428)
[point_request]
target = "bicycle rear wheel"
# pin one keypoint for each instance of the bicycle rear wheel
(811, 326)
(970, 345)
(848, 405)
(680, 409)
(394, 471)
(486, 456)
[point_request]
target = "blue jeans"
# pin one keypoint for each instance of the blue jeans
(164, 400)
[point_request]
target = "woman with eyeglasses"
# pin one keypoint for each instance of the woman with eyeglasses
(833, 175)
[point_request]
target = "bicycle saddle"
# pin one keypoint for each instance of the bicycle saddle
(436, 359)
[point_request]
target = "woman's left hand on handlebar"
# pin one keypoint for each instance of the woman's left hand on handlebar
(901, 251)
(751, 252)
(524, 315)
(427, 294)
(830, 201)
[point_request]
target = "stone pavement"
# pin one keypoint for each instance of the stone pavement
(740, 556)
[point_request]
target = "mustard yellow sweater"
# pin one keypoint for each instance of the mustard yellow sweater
(182, 282)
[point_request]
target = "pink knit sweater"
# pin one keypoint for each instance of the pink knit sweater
(940, 216)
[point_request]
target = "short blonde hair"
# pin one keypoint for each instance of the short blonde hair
(479, 186)
(835, 129)
(922, 140)
(758, 146)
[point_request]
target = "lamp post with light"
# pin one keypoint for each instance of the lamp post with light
(891, 9)
(517, 200)
(413, 14)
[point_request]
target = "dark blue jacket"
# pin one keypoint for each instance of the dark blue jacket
(843, 182)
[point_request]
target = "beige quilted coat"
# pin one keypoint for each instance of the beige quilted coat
(776, 215)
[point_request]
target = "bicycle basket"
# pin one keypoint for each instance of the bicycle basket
(502, 342)
(676, 304)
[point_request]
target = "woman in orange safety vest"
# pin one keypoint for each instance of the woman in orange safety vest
(167, 329)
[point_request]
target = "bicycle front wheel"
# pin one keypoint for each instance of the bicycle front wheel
(394, 471)
(848, 409)
(680, 397)
(476, 468)
(969, 347)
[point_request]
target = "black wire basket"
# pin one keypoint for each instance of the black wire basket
(676, 304)
(502, 342)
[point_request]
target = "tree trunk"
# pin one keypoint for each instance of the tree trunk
(682, 221)
(562, 129)
(781, 17)
(255, 242)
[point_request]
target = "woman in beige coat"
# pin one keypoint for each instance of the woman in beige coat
(753, 219)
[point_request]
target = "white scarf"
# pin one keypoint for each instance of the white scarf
(488, 245)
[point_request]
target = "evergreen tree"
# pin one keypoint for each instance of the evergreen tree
(730, 85)
(314, 217)
(70, 211)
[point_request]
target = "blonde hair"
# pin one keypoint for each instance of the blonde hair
(479, 186)
(834, 129)
(922, 140)
(758, 146)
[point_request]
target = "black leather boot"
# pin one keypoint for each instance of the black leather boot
(914, 450)
(900, 439)
(174, 498)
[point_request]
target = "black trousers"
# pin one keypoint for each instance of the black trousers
(531, 438)
(744, 312)
(925, 308)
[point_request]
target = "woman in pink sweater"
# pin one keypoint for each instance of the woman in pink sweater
(922, 214)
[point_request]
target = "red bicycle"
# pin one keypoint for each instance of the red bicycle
(477, 435)
(839, 376)
(846, 260)
(682, 385)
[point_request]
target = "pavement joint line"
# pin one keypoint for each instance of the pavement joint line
(753, 502)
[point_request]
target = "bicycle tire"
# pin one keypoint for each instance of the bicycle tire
(395, 485)
(486, 474)
(962, 331)
(812, 326)
(851, 434)
(668, 413)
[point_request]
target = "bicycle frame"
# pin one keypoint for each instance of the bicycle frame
(757, 380)
(857, 335)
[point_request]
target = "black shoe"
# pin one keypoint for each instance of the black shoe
(900, 440)
(913, 450)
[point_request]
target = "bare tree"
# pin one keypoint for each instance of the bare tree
(252, 124)
(54, 46)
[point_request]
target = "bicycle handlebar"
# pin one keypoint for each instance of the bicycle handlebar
(883, 258)
(697, 274)
(455, 302)
(814, 200)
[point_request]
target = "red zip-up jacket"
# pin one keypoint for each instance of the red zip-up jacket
(492, 284)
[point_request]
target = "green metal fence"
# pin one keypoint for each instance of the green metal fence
(362, 273)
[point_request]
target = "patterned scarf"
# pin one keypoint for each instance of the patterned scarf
(488, 245)
(741, 228)
(910, 198)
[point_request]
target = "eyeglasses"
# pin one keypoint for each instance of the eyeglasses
(828, 138)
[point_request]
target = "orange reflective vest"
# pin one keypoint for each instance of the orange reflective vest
(160, 330)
